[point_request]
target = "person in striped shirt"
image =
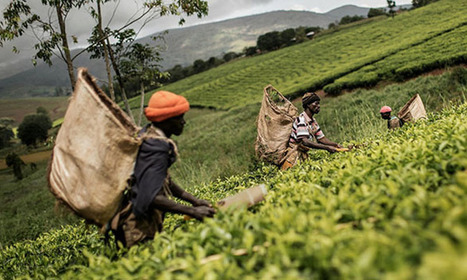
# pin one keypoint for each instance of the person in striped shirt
(306, 133)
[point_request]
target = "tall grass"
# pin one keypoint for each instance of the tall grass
(356, 115)
(314, 64)
(217, 144)
(27, 206)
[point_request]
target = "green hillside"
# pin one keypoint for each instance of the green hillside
(394, 48)
(394, 208)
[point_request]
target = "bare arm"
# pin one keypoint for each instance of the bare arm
(163, 203)
(321, 146)
(328, 142)
(177, 191)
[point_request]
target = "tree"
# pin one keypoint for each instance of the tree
(269, 41)
(142, 62)
(58, 91)
(286, 37)
(34, 128)
(176, 73)
(391, 6)
(42, 110)
(14, 161)
(229, 56)
(373, 12)
(250, 51)
(213, 62)
(199, 66)
(300, 34)
(125, 36)
(6, 133)
(421, 3)
(7, 121)
(349, 19)
(102, 39)
(19, 17)
(315, 29)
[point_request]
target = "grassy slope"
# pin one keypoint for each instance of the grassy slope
(436, 91)
(394, 209)
(449, 48)
(18, 108)
(314, 64)
(26, 207)
(218, 144)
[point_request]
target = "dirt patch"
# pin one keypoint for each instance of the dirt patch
(18, 108)
(36, 157)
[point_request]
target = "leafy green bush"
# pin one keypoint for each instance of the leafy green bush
(34, 128)
(396, 207)
(436, 33)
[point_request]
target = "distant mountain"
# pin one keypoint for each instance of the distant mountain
(183, 46)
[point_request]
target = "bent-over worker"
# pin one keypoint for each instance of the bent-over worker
(393, 121)
(152, 186)
(306, 133)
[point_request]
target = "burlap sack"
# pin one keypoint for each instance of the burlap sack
(94, 153)
(274, 124)
(412, 110)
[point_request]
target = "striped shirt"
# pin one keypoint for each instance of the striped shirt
(305, 127)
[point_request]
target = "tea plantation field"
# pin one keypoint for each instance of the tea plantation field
(396, 48)
(394, 208)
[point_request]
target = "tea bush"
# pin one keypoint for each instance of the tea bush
(395, 208)
(411, 43)
(438, 52)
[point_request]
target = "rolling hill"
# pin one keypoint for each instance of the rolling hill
(212, 39)
(355, 55)
(395, 207)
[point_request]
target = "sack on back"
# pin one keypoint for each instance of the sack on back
(413, 110)
(94, 153)
(274, 125)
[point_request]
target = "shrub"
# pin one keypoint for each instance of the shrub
(14, 161)
(5, 135)
(373, 12)
(459, 75)
(34, 128)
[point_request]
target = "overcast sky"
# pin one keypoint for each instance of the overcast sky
(80, 24)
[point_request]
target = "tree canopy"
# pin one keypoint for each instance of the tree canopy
(34, 128)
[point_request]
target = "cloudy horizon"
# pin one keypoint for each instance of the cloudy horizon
(79, 24)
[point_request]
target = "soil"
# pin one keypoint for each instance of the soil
(31, 158)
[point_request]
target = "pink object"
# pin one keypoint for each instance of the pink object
(385, 109)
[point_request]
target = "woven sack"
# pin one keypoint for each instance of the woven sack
(413, 110)
(94, 153)
(274, 124)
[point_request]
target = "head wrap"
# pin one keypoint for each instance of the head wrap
(385, 109)
(309, 98)
(164, 105)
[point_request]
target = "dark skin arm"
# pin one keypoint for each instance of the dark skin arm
(163, 203)
(328, 142)
(177, 191)
(310, 144)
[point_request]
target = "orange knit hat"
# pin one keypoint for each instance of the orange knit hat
(164, 105)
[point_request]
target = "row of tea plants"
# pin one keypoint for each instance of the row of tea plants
(395, 207)
(319, 62)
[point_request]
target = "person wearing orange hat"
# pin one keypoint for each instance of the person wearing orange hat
(393, 121)
(152, 186)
